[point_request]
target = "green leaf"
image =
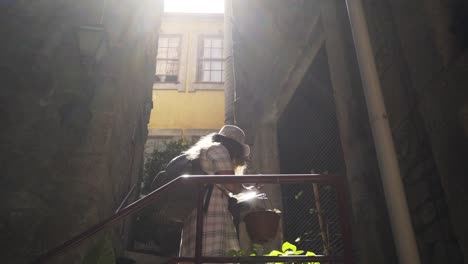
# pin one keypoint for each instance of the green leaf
(274, 253)
(231, 253)
(298, 252)
(288, 246)
(310, 254)
(100, 253)
(257, 248)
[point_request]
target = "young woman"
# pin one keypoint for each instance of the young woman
(224, 153)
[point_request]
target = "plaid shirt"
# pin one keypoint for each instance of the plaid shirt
(219, 233)
(215, 158)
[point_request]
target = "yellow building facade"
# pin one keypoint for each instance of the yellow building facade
(188, 92)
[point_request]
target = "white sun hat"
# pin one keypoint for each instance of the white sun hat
(234, 132)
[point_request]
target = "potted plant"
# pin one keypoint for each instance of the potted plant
(262, 225)
(261, 222)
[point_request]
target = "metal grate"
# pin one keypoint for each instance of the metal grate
(302, 219)
(309, 142)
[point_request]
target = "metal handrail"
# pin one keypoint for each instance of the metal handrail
(200, 180)
(124, 201)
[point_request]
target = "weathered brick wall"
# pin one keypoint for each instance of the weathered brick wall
(72, 137)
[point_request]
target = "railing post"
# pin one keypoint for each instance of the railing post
(199, 230)
(344, 219)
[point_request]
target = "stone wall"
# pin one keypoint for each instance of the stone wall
(275, 44)
(73, 134)
(278, 36)
(266, 49)
(421, 59)
(421, 72)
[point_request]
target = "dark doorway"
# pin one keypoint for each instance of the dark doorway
(309, 141)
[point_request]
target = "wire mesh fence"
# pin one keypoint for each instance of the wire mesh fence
(311, 218)
(309, 142)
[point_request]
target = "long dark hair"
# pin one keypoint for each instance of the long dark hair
(236, 150)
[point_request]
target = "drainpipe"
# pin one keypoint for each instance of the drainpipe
(403, 233)
(229, 77)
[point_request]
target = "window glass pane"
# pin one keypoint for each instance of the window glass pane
(217, 43)
(162, 52)
(161, 67)
(207, 43)
(211, 60)
(206, 65)
(173, 53)
(174, 42)
(217, 53)
(206, 53)
(164, 67)
(217, 65)
(172, 68)
(162, 42)
(216, 76)
(206, 76)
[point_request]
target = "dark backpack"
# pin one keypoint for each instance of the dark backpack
(175, 205)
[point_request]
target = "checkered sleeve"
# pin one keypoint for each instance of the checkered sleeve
(220, 158)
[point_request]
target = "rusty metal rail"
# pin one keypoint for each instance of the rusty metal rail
(200, 180)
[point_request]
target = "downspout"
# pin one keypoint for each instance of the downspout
(403, 233)
(229, 77)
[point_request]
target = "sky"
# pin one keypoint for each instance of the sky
(194, 6)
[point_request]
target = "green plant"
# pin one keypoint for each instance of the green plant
(159, 159)
(146, 228)
(287, 249)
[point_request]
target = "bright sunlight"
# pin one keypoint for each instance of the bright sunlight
(194, 6)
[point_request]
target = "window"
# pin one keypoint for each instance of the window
(167, 62)
(211, 63)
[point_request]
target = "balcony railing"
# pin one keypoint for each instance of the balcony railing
(200, 181)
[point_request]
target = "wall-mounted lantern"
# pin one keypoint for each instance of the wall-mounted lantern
(92, 43)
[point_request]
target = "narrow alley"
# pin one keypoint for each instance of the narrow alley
(345, 122)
